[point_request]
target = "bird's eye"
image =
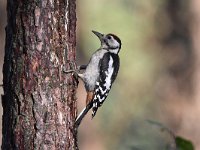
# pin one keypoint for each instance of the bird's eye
(109, 37)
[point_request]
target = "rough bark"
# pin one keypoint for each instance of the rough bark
(39, 103)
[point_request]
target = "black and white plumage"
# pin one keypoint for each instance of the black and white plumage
(100, 73)
(109, 67)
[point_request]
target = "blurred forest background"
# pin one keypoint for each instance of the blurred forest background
(159, 78)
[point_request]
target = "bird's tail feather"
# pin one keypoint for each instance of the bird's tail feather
(82, 114)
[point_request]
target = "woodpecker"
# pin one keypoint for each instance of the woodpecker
(100, 73)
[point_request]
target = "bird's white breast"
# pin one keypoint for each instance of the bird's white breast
(92, 71)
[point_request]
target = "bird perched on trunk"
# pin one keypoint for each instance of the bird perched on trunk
(100, 73)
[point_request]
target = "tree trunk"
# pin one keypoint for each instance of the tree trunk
(39, 102)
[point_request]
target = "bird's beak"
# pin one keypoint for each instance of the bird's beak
(99, 35)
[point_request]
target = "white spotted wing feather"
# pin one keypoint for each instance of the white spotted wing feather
(109, 67)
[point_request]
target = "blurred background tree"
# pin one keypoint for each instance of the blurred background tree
(159, 76)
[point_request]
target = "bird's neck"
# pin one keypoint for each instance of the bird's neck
(114, 50)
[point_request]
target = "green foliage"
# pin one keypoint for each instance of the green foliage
(183, 144)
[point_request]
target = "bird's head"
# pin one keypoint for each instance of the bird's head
(109, 41)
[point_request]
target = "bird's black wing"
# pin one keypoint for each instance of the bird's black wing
(109, 67)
